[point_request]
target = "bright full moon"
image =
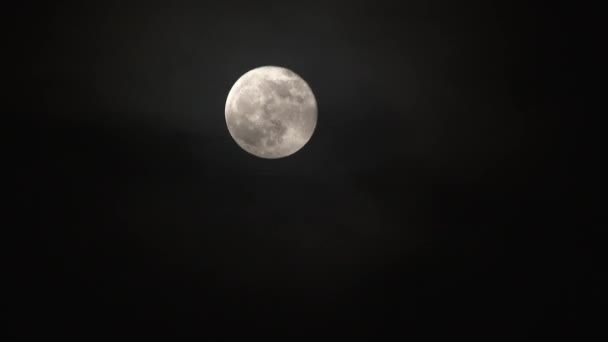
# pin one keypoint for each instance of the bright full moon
(271, 112)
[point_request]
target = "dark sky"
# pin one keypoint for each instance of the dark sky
(436, 195)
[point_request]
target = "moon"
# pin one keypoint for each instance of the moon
(271, 112)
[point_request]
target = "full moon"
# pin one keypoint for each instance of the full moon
(271, 112)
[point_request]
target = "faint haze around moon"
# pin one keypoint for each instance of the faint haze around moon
(271, 112)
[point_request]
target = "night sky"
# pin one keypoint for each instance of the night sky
(437, 195)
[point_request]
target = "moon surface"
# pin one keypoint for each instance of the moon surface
(271, 112)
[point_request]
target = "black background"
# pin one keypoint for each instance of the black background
(437, 195)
